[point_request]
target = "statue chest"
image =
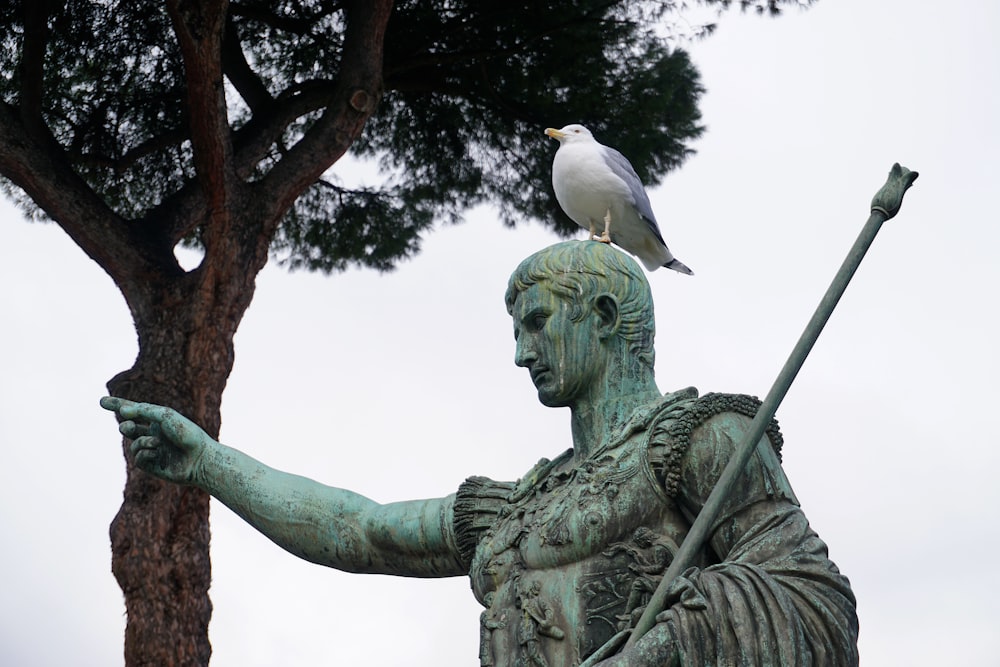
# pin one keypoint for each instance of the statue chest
(570, 558)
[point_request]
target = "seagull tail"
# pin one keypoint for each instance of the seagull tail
(678, 266)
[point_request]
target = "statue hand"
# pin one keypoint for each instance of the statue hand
(657, 648)
(164, 443)
(667, 656)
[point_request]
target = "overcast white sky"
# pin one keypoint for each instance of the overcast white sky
(401, 385)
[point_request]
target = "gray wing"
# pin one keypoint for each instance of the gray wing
(623, 169)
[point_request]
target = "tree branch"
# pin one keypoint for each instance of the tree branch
(294, 25)
(35, 162)
(353, 100)
(253, 141)
(176, 215)
(120, 165)
(238, 71)
(353, 95)
(199, 27)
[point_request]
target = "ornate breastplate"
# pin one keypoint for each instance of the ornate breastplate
(571, 554)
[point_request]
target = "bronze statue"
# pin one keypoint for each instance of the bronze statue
(568, 555)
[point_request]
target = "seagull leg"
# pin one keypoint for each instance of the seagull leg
(593, 232)
(606, 236)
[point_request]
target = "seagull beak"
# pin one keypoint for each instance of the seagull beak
(554, 133)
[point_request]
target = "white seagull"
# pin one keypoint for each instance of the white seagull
(594, 182)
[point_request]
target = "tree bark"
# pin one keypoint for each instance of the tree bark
(160, 537)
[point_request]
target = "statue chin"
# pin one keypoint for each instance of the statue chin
(551, 399)
(548, 401)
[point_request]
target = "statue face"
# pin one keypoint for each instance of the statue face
(564, 357)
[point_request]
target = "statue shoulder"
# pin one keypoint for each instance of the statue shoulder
(477, 505)
(480, 501)
(670, 436)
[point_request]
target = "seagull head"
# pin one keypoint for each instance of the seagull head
(569, 134)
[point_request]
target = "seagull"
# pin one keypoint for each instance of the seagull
(594, 182)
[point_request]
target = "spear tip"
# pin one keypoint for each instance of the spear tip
(888, 199)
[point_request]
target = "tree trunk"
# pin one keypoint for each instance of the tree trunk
(160, 537)
(160, 557)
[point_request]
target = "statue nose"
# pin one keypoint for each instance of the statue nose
(524, 354)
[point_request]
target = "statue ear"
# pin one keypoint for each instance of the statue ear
(606, 307)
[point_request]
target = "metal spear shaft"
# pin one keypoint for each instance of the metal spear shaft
(884, 206)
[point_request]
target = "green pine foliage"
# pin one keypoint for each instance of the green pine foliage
(468, 87)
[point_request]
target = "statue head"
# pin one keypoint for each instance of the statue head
(644, 537)
(583, 322)
(578, 272)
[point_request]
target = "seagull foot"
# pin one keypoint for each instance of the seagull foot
(606, 236)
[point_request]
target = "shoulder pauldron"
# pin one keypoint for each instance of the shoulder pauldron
(670, 435)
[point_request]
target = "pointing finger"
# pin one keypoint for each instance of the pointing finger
(142, 411)
(113, 403)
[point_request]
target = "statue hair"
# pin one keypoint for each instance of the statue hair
(578, 271)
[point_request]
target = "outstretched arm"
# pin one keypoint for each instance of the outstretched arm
(319, 523)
